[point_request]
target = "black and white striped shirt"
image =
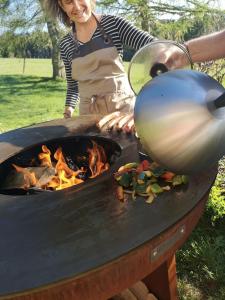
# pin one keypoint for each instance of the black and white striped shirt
(122, 34)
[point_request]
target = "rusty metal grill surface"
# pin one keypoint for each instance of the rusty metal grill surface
(55, 236)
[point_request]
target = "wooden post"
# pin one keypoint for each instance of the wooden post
(163, 281)
(24, 63)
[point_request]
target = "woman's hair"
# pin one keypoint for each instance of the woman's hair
(56, 11)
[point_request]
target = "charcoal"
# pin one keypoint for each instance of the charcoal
(82, 176)
(71, 164)
(82, 159)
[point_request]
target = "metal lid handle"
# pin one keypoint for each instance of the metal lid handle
(220, 101)
(157, 69)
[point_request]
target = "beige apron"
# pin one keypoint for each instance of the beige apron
(102, 81)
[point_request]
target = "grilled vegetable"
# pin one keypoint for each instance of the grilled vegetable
(131, 165)
(177, 180)
(145, 179)
(125, 180)
(167, 176)
(156, 189)
(184, 179)
(150, 198)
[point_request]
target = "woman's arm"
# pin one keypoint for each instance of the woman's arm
(132, 36)
(208, 47)
(72, 95)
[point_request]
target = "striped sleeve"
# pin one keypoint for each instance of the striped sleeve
(72, 95)
(130, 35)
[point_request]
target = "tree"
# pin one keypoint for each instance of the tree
(53, 30)
(3, 6)
(130, 8)
(168, 18)
(36, 44)
(25, 16)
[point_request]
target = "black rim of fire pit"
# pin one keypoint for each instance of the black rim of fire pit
(71, 147)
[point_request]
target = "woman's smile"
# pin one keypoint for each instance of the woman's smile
(79, 14)
(77, 10)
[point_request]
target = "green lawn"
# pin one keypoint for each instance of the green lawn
(26, 100)
(31, 97)
(33, 67)
(34, 97)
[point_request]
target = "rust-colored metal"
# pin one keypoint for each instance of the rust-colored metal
(82, 243)
(106, 281)
(163, 281)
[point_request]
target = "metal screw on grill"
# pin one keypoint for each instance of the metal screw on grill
(182, 230)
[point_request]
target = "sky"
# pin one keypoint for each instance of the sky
(221, 3)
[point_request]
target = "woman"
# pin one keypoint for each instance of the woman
(92, 54)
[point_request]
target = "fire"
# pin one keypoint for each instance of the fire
(57, 175)
(45, 157)
(97, 160)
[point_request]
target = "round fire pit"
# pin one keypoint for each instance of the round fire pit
(81, 242)
(43, 166)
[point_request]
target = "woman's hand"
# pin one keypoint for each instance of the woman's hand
(117, 121)
(68, 112)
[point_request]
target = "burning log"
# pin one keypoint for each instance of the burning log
(57, 173)
(29, 177)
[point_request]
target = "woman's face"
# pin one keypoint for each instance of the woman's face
(79, 11)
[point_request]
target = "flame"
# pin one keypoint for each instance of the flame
(45, 157)
(64, 176)
(97, 160)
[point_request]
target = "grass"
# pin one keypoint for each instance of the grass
(29, 98)
(34, 97)
(33, 67)
(200, 262)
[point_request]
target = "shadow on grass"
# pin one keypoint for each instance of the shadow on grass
(4, 101)
(21, 79)
(18, 84)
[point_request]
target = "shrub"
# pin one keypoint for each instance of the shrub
(216, 203)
